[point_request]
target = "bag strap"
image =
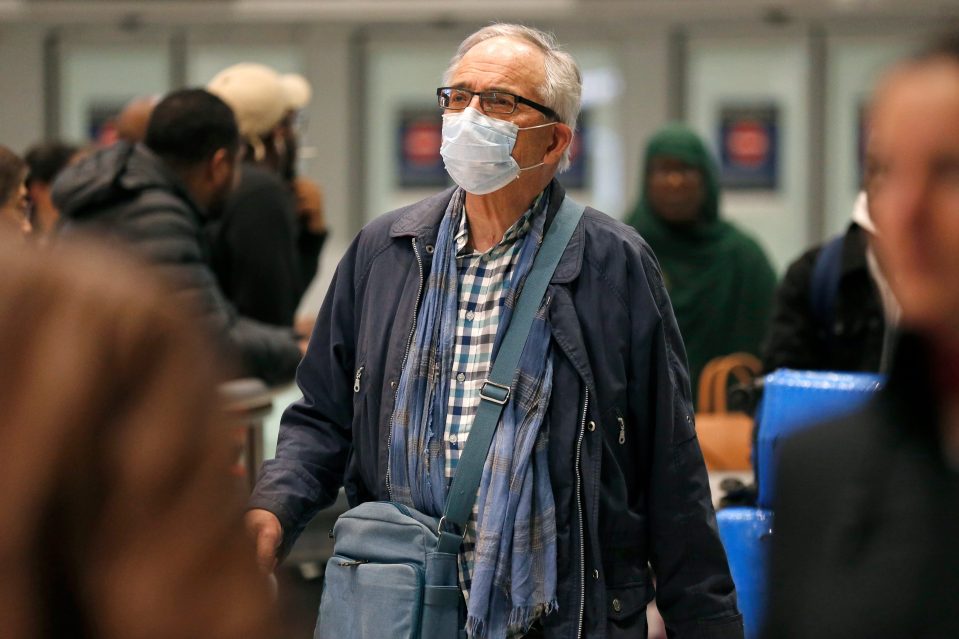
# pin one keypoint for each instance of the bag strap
(714, 379)
(824, 284)
(496, 390)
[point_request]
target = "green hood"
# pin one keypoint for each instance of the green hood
(719, 280)
(680, 142)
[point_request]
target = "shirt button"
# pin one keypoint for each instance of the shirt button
(470, 315)
(453, 439)
(461, 377)
(617, 606)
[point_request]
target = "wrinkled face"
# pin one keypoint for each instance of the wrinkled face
(516, 67)
(676, 190)
(913, 189)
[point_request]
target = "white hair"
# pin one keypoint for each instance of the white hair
(564, 84)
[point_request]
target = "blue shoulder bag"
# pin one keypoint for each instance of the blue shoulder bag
(393, 572)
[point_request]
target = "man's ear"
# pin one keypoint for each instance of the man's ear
(220, 166)
(562, 138)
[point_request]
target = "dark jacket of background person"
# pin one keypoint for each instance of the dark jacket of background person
(625, 467)
(128, 193)
(254, 248)
(121, 519)
(867, 545)
(719, 279)
(799, 339)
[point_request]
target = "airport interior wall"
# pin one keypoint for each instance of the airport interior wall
(56, 78)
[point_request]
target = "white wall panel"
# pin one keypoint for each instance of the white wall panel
(735, 69)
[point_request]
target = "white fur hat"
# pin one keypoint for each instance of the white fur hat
(256, 95)
(298, 90)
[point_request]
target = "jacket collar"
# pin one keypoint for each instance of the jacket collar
(421, 220)
(854, 248)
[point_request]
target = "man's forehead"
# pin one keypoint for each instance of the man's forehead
(500, 63)
(918, 88)
(917, 102)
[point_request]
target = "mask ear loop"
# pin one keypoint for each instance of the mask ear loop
(527, 128)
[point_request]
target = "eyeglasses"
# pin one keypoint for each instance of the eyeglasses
(500, 102)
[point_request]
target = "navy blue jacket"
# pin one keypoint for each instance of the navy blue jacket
(625, 466)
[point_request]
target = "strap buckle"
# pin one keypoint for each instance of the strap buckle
(501, 395)
(439, 527)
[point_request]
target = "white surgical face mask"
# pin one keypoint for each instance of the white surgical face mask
(477, 150)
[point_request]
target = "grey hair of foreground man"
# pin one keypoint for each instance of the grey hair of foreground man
(563, 88)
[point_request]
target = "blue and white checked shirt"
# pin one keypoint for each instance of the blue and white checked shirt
(482, 280)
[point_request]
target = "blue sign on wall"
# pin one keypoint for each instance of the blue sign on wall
(419, 135)
(749, 146)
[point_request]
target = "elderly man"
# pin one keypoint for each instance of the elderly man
(616, 469)
(868, 508)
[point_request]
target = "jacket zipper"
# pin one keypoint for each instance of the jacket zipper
(622, 431)
(409, 344)
(356, 380)
(579, 504)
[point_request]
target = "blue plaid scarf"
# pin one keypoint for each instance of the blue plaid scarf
(514, 574)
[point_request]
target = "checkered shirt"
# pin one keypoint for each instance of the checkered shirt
(482, 280)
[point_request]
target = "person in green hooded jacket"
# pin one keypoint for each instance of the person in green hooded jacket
(719, 279)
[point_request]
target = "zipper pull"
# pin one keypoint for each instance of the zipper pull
(622, 430)
(356, 380)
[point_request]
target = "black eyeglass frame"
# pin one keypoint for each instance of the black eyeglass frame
(545, 110)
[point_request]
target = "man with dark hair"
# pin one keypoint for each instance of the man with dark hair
(867, 508)
(46, 160)
(156, 198)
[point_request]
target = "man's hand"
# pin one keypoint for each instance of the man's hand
(266, 530)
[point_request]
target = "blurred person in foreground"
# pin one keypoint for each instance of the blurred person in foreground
(599, 424)
(155, 199)
(45, 161)
(122, 519)
(867, 510)
(266, 245)
(719, 279)
(14, 198)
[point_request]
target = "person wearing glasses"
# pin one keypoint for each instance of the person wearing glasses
(594, 472)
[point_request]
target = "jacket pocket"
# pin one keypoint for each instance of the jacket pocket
(626, 611)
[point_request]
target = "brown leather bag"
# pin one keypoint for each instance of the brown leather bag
(725, 437)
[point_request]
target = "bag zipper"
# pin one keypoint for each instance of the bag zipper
(579, 504)
(409, 344)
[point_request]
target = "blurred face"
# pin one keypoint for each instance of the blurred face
(913, 188)
(676, 190)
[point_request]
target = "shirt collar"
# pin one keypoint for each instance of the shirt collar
(518, 230)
